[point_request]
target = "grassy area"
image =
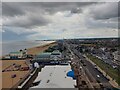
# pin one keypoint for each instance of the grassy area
(113, 73)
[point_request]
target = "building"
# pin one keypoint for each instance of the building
(16, 55)
(56, 55)
(50, 58)
(54, 77)
(42, 58)
(116, 57)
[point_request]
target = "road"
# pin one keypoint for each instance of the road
(92, 72)
(95, 73)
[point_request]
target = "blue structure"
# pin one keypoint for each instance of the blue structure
(71, 74)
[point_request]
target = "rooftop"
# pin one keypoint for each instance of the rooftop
(56, 52)
(43, 55)
(15, 52)
(52, 76)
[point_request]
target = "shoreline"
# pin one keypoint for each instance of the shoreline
(38, 49)
(6, 76)
(34, 50)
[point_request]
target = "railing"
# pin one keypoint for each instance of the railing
(21, 81)
(27, 79)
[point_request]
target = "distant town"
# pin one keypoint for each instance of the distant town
(80, 63)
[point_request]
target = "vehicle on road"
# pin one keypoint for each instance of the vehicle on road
(98, 76)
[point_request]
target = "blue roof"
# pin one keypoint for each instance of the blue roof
(71, 74)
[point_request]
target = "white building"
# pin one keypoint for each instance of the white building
(55, 77)
(16, 54)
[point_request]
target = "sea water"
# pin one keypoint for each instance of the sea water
(17, 45)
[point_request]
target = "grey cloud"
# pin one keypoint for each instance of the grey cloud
(30, 21)
(97, 24)
(27, 15)
(11, 9)
(76, 10)
(39, 9)
(118, 9)
(53, 7)
(20, 8)
(105, 11)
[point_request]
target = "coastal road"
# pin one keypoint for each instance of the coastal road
(96, 74)
(90, 68)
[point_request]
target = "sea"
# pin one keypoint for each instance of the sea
(17, 45)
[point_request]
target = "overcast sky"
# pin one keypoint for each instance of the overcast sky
(57, 20)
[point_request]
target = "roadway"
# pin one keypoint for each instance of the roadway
(90, 68)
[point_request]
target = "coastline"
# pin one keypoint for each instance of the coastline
(16, 46)
(6, 76)
(38, 49)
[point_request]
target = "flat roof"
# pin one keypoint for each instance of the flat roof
(56, 52)
(55, 77)
(15, 52)
(43, 55)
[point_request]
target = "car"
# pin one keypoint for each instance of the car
(80, 67)
(84, 64)
(98, 76)
(95, 67)
(101, 84)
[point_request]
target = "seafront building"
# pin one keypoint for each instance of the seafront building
(54, 77)
(54, 57)
(16, 55)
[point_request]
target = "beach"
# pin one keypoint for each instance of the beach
(14, 46)
(6, 76)
(39, 49)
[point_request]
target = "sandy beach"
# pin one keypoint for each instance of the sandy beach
(7, 81)
(39, 49)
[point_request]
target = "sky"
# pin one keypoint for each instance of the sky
(58, 20)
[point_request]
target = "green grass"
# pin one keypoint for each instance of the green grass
(113, 73)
